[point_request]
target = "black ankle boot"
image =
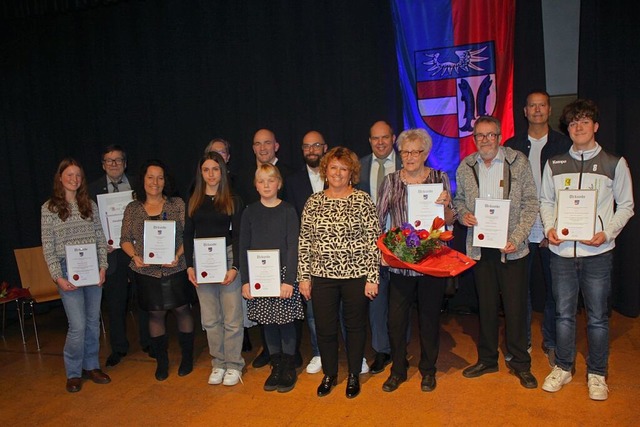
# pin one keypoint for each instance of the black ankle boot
(186, 344)
(276, 368)
(159, 346)
(288, 375)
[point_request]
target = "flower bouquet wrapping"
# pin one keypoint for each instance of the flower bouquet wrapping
(423, 251)
(8, 293)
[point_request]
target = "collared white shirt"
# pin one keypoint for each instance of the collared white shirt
(490, 177)
(316, 180)
(123, 185)
(389, 167)
(535, 152)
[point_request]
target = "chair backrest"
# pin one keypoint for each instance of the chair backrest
(34, 274)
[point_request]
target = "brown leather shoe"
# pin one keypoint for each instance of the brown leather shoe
(74, 385)
(97, 376)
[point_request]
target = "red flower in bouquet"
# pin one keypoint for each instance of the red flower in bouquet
(411, 245)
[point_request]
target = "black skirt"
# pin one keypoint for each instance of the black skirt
(158, 294)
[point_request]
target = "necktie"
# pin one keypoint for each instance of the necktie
(115, 186)
(380, 176)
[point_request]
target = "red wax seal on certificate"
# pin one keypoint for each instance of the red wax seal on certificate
(76, 277)
(565, 231)
(110, 242)
(203, 274)
(417, 223)
(151, 255)
(480, 236)
(257, 286)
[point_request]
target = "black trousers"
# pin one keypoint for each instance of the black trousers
(428, 292)
(495, 279)
(326, 296)
(116, 294)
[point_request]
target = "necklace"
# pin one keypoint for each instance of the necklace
(408, 180)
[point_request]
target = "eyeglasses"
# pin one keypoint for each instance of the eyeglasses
(113, 162)
(491, 136)
(415, 153)
(315, 146)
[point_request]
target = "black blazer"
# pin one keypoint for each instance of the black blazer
(299, 189)
(365, 171)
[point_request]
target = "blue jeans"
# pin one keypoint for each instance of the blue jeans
(591, 276)
(549, 314)
(221, 315)
(82, 345)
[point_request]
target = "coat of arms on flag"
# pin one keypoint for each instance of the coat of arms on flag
(456, 85)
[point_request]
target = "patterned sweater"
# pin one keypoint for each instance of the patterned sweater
(338, 238)
(133, 232)
(56, 234)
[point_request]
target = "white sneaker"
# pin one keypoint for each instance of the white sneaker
(216, 376)
(556, 379)
(365, 367)
(232, 377)
(598, 389)
(315, 365)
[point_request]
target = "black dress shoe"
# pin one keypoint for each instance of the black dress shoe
(392, 383)
(353, 386)
(428, 383)
(74, 385)
(527, 379)
(262, 360)
(96, 375)
(478, 369)
(327, 383)
(115, 358)
(381, 360)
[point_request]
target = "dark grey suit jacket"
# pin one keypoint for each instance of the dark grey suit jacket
(365, 171)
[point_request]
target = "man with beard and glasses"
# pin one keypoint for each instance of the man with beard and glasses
(300, 186)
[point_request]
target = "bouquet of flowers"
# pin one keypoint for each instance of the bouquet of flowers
(8, 293)
(423, 251)
(413, 245)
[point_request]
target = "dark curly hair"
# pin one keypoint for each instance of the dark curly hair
(167, 191)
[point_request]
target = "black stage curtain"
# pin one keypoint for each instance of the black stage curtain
(164, 77)
(608, 74)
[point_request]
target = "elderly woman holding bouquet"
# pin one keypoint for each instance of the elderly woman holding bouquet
(338, 264)
(408, 285)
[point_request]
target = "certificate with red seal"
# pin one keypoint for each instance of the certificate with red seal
(159, 242)
(111, 207)
(421, 203)
(82, 264)
(264, 272)
(493, 223)
(576, 214)
(210, 259)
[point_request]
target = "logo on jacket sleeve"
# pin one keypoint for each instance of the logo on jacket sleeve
(456, 85)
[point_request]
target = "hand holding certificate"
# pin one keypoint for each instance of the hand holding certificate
(576, 214)
(159, 242)
(82, 265)
(210, 259)
(111, 207)
(421, 201)
(493, 223)
(264, 272)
